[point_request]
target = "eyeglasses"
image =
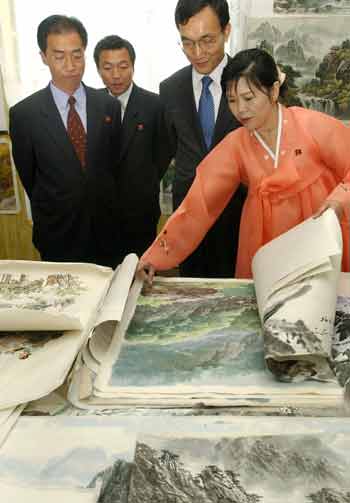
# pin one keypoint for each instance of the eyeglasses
(204, 43)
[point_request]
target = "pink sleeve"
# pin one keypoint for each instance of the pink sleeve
(341, 194)
(333, 139)
(217, 178)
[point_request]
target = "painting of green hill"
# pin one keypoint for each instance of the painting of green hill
(191, 333)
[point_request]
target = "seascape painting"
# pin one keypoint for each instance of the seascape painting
(9, 200)
(293, 468)
(314, 53)
(191, 333)
(311, 6)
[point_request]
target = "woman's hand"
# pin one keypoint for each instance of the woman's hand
(145, 271)
(334, 205)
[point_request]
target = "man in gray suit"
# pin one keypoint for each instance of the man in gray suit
(198, 118)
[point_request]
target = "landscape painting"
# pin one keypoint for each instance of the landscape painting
(91, 459)
(22, 345)
(311, 6)
(314, 53)
(44, 296)
(293, 468)
(79, 455)
(9, 200)
(55, 291)
(341, 340)
(194, 333)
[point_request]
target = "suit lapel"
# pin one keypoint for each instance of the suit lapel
(224, 121)
(93, 123)
(54, 125)
(131, 119)
(186, 97)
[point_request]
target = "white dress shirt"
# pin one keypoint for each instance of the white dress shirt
(215, 86)
(61, 100)
(123, 99)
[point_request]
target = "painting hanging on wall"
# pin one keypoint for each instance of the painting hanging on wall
(314, 54)
(312, 6)
(9, 201)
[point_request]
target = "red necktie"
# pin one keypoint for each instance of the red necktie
(76, 131)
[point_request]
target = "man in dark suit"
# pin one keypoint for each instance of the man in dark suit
(204, 28)
(65, 147)
(143, 159)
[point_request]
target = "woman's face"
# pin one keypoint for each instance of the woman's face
(252, 107)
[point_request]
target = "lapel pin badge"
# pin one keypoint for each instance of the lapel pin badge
(108, 119)
(139, 127)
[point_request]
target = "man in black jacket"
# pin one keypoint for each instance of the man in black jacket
(143, 159)
(65, 141)
(204, 28)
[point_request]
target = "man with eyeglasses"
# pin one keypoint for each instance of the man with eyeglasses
(198, 118)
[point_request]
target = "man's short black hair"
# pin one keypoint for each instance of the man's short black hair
(185, 9)
(110, 43)
(58, 24)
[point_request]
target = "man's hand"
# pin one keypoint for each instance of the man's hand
(145, 271)
(334, 205)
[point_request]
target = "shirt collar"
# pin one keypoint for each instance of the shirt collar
(61, 97)
(216, 74)
(124, 98)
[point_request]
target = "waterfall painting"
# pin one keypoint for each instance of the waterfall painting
(315, 55)
(312, 6)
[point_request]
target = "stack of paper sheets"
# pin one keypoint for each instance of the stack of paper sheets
(199, 342)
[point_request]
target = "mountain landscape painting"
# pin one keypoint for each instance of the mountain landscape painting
(315, 55)
(191, 333)
(73, 453)
(311, 6)
(293, 468)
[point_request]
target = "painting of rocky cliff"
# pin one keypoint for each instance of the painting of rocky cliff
(311, 6)
(293, 468)
(315, 55)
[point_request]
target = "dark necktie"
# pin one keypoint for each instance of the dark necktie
(76, 131)
(206, 111)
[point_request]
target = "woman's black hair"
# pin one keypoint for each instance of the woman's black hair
(257, 66)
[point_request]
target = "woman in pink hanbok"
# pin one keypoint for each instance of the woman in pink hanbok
(295, 163)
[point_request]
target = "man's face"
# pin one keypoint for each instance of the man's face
(203, 40)
(116, 70)
(65, 57)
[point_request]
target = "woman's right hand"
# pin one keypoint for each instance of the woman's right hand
(145, 271)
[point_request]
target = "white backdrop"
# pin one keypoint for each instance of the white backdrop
(148, 25)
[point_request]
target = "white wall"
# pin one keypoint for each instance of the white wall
(149, 25)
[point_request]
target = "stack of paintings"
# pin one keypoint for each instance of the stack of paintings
(199, 342)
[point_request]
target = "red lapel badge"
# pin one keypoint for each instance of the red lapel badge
(139, 127)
